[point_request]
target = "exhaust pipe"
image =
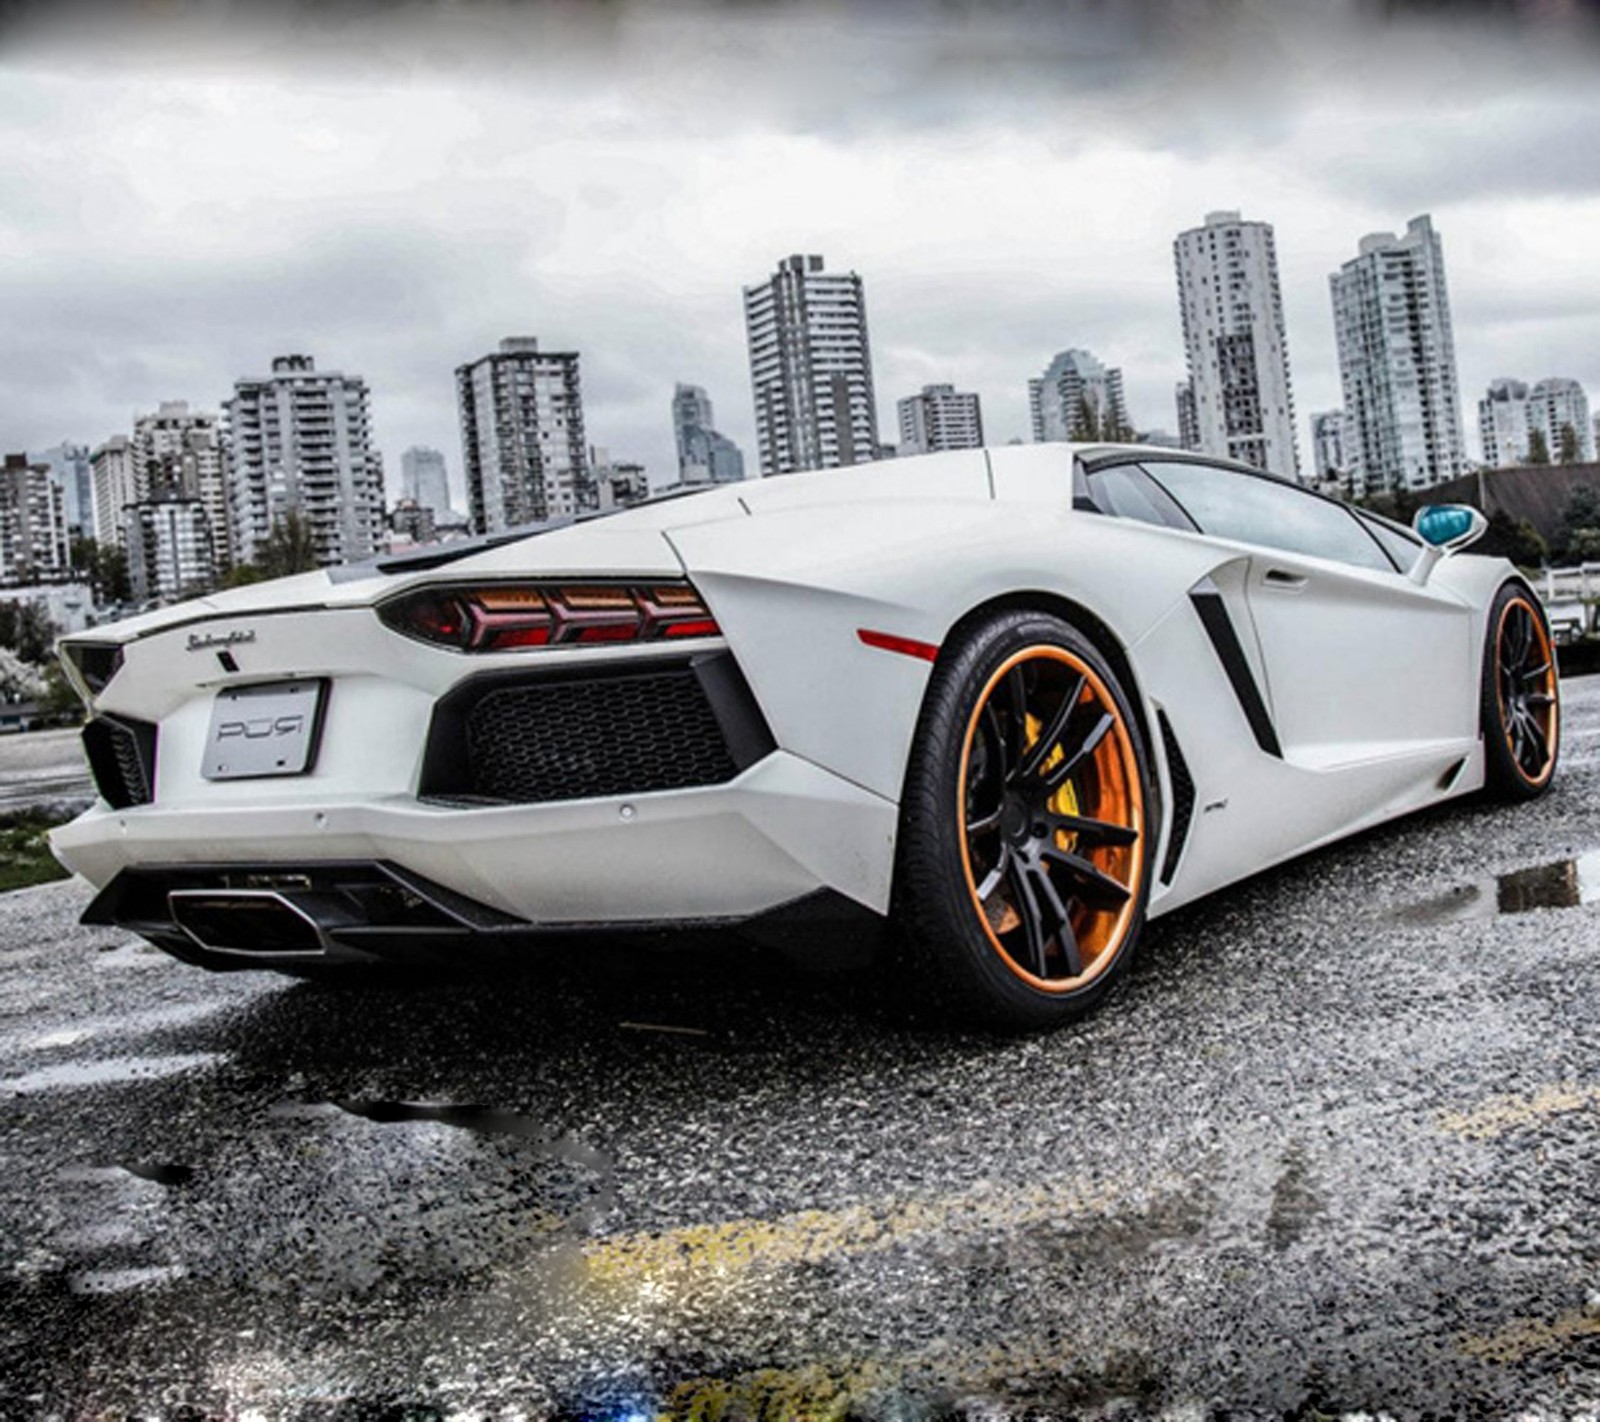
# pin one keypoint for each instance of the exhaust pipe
(247, 921)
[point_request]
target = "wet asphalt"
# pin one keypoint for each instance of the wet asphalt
(1333, 1149)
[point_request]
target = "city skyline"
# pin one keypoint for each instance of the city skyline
(399, 238)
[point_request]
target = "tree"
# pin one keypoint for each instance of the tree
(1115, 431)
(1085, 421)
(242, 574)
(1516, 539)
(26, 629)
(106, 568)
(1538, 447)
(1584, 545)
(1578, 537)
(289, 547)
(19, 681)
(1569, 449)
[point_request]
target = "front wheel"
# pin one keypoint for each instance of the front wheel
(1520, 698)
(1026, 827)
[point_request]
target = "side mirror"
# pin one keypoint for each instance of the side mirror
(1444, 529)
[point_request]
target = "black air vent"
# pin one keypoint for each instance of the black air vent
(529, 739)
(122, 758)
(1182, 799)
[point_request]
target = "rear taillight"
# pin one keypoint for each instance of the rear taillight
(508, 617)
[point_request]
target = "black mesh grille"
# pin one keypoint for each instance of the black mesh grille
(122, 757)
(1182, 799)
(614, 735)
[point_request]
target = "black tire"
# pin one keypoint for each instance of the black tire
(1520, 698)
(1019, 896)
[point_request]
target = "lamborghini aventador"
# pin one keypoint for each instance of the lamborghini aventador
(1010, 703)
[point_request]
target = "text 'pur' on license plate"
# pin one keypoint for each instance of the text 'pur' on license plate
(264, 730)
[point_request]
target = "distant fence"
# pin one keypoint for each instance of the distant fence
(1580, 584)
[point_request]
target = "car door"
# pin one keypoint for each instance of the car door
(1361, 663)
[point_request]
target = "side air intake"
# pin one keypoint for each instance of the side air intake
(1182, 798)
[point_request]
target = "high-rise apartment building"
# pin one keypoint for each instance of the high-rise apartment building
(70, 468)
(33, 523)
(1503, 423)
(1078, 398)
(1188, 417)
(1233, 336)
(412, 521)
(1559, 410)
(811, 368)
(116, 485)
(300, 440)
(704, 455)
(941, 417)
(619, 483)
(177, 453)
(425, 480)
(1397, 362)
(170, 552)
(522, 440)
(1327, 445)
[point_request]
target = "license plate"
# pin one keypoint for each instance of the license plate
(264, 730)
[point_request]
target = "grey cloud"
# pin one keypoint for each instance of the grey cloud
(401, 274)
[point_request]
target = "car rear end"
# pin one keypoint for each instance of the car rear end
(426, 762)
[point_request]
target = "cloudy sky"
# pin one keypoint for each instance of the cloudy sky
(188, 189)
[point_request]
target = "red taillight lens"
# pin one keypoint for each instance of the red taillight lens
(509, 617)
(441, 619)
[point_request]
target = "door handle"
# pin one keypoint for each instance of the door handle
(1283, 581)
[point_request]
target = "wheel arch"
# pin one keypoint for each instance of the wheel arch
(1105, 641)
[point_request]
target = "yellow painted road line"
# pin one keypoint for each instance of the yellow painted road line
(1500, 1114)
(1519, 1340)
(807, 1236)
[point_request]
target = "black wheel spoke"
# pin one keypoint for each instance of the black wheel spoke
(1050, 737)
(984, 822)
(1069, 947)
(1522, 627)
(993, 879)
(1537, 742)
(1027, 907)
(1092, 885)
(1016, 692)
(1534, 673)
(996, 740)
(1103, 831)
(1086, 747)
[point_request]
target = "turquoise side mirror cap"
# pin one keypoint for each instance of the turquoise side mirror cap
(1448, 525)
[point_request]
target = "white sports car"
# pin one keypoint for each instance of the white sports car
(1012, 701)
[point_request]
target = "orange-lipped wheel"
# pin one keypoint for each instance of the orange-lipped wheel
(1026, 825)
(1521, 698)
(1051, 818)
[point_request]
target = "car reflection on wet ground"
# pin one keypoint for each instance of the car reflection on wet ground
(1331, 1149)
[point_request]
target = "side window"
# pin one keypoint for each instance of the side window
(1399, 543)
(1257, 509)
(1126, 491)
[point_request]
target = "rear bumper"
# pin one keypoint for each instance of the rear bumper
(231, 917)
(781, 830)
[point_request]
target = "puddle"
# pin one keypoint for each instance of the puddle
(120, 1281)
(153, 1019)
(488, 1120)
(69, 1038)
(485, 1119)
(1566, 883)
(109, 1072)
(160, 1171)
